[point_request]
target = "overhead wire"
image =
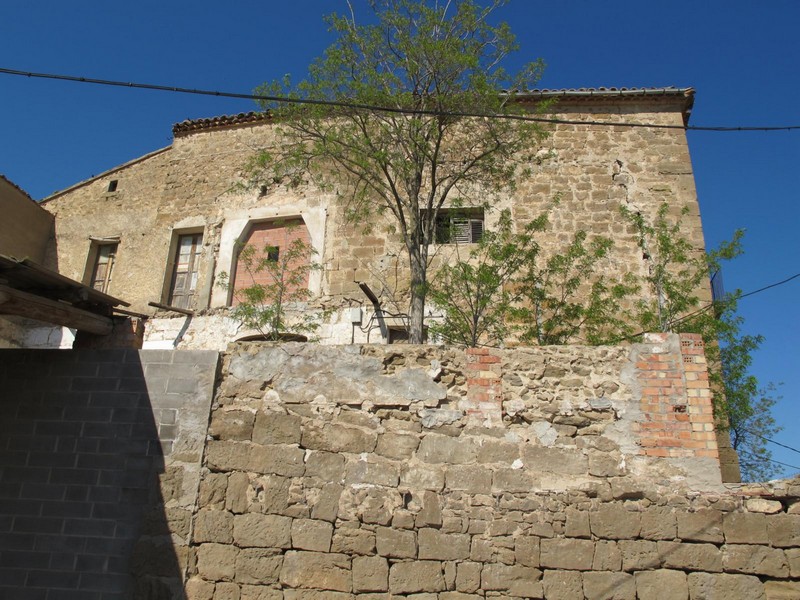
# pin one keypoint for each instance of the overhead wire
(388, 109)
(777, 462)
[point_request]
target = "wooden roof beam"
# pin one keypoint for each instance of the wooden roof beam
(31, 306)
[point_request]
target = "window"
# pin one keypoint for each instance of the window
(459, 226)
(273, 253)
(103, 265)
(184, 272)
(112, 186)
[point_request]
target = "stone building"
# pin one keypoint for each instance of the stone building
(164, 228)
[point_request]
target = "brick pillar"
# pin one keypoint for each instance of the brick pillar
(484, 402)
(677, 414)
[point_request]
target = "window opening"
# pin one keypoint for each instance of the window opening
(112, 185)
(103, 265)
(273, 253)
(184, 271)
(459, 226)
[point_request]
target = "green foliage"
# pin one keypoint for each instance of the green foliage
(269, 307)
(425, 63)
(506, 288)
(677, 271)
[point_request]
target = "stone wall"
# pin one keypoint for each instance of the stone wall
(100, 454)
(376, 472)
(195, 186)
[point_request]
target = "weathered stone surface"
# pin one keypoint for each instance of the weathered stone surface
(438, 417)
(395, 543)
(526, 551)
(793, 558)
(325, 465)
(326, 506)
(602, 585)
(577, 523)
(399, 446)
(782, 590)
(554, 460)
(701, 526)
(372, 472)
(603, 465)
(745, 528)
(370, 574)
(422, 477)
(568, 554)
(216, 562)
(563, 585)
(417, 576)
(315, 595)
(661, 584)
(518, 580)
(613, 521)
(227, 591)
(710, 586)
(639, 555)
(513, 481)
(498, 451)
(762, 505)
(276, 428)
(258, 592)
(199, 589)
(213, 526)
(755, 560)
(333, 437)
(353, 541)
(691, 557)
(430, 515)
(473, 479)
(437, 449)
(784, 530)
(317, 571)
(258, 566)
(236, 499)
(262, 531)
(607, 557)
(278, 459)
(442, 546)
(468, 577)
(310, 534)
(231, 425)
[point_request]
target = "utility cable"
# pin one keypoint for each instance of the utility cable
(703, 309)
(376, 108)
(754, 457)
(766, 439)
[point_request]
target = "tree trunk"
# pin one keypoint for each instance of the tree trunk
(419, 289)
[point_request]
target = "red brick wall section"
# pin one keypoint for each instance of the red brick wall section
(677, 415)
(484, 402)
(269, 233)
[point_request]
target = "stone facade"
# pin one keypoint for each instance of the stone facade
(194, 187)
(378, 472)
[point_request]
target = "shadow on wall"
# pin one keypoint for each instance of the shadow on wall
(82, 514)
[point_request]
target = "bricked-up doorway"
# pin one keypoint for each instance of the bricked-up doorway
(87, 440)
(270, 239)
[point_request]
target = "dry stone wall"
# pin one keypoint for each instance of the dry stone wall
(372, 472)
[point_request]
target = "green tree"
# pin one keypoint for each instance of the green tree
(505, 287)
(677, 271)
(427, 64)
(275, 303)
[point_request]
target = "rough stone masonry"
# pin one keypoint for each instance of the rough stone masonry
(437, 474)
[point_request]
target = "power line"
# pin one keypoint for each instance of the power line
(766, 439)
(703, 309)
(777, 462)
(372, 107)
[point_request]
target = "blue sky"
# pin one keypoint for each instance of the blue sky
(742, 57)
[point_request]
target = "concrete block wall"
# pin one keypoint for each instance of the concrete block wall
(99, 465)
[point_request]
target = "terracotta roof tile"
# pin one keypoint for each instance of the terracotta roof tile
(578, 94)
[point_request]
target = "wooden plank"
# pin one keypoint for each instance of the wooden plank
(23, 304)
